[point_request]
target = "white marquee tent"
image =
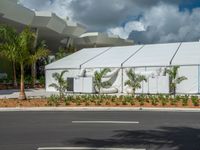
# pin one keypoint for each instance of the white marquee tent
(148, 60)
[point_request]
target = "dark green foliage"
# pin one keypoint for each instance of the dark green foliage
(154, 100)
(53, 100)
(195, 100)
(185, 100)
(42, 80)
(141, 99)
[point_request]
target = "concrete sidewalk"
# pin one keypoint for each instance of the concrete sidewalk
(30, 93)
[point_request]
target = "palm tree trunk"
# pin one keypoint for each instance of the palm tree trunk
(174, 91)
(33, 68)
(14, 75)
(33, 73)
(22, 95)
(133, 92)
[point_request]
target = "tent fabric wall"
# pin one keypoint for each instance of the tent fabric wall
(71, 73)
(191, 85)
(156, 83)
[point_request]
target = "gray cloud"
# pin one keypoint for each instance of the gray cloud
(102, 14)
(164, 26)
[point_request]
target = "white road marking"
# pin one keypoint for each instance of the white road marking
(84, 148)
(106, 122)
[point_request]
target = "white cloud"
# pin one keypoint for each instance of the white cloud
(125, 31)
(59, 7)
(162, 23)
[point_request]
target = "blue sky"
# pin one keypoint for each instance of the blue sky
(189, 4)
(145, 21)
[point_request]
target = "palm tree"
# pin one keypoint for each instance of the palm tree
(134, 80)
(98, 79)
(8, 47)
(39, 52)
(25, 42)
(174, 78)
(65, 51)
(61, 85)
(61, 53)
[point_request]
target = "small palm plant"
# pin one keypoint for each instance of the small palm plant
(61, 85)
(174, 78)
(98, 83)
(134, 80)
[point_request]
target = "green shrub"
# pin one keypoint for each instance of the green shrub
(113, 98)
(107, 103)
(78, 102)
(42, 80)
(66, 101)
(132, 102)
(98, 102)
(154, 100)
(175, 100)
(87, 103)
(124, 102)
(117, 103)
(185, 100)
(141, 99)
(53, 100)
(164, 101)
(195, 100)
(121, 97)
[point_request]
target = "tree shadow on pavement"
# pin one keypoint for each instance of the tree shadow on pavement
(164, 138)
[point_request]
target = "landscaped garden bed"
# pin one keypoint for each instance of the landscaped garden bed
(106, 101)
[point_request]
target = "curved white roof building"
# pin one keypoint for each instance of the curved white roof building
(53, 29)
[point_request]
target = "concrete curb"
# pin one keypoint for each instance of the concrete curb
(157, 109)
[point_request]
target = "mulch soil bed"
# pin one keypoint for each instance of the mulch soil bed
(95, 103)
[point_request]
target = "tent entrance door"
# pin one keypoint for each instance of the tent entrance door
(70, 82)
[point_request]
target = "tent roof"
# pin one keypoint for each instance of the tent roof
(77, 59)
(188, 54)
(153, 55)
(132, 56)
(114, 57)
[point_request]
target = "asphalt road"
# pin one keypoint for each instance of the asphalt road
(149, 130)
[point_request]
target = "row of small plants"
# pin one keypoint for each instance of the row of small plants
(108, 100)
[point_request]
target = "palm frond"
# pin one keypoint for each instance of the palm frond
(104, 71)
(180, 79)
(54, 85)
(134, 80)
(62, 73)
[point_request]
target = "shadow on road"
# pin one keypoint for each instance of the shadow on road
(173, 138)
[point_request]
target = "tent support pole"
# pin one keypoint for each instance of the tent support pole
(198, 78)
(122, 89)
